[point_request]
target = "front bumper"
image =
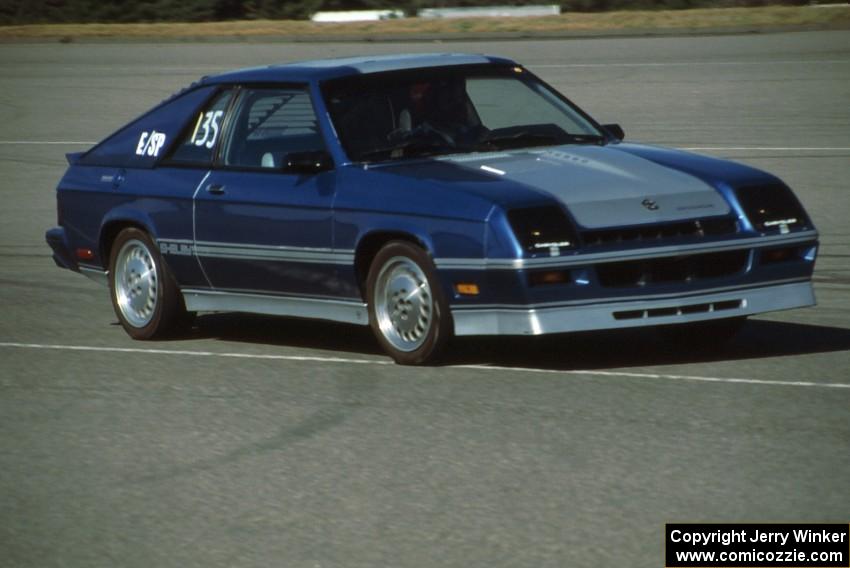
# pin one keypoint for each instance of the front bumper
(644, 311)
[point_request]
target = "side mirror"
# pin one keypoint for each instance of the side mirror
(615, 130)
(311, 162)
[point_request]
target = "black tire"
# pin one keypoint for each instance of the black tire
(703, 335)
(144, 294)
(408, 312)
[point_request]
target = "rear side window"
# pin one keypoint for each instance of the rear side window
(144, 141)
(198, 143)
(269, 124)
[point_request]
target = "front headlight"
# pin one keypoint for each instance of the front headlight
(772, 208)
(542, 229)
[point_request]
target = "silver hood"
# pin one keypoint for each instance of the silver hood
(602, 186)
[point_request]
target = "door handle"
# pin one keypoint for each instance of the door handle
(215, 189)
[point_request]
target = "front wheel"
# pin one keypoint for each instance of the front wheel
(407, 310)
(144, 295)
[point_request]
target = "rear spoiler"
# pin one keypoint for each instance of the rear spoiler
(73, 157)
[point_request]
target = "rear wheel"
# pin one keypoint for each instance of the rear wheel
(144, 294)
(407, 310)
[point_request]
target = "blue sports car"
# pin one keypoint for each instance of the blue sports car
(426, 196)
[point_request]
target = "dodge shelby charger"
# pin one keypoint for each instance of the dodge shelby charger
(426, 196)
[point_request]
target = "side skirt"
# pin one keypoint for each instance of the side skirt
(96, 274)
(347, 311)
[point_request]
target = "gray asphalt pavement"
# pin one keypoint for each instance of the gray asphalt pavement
(271, 442)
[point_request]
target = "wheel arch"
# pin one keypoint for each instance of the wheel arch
(369, 245)
(116, 222)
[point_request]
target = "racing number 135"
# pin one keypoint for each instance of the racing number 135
(206, 128)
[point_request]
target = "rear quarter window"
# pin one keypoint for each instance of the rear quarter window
(199, 141)
(144, 141)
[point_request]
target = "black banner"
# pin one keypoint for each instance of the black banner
(757, 545)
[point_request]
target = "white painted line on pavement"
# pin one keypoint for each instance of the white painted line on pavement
(47, 142)
(770, 148)
(666, 377)
(683, 63)
(345, 360)
(191, 353)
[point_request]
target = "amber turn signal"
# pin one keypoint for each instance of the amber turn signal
(467, 289)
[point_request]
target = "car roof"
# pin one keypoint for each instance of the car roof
(322, 69)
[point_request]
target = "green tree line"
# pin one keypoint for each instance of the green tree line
(80, 11)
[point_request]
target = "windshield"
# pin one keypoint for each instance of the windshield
(429, 112)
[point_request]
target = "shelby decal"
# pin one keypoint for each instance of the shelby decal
(150, 143)
(181, 249)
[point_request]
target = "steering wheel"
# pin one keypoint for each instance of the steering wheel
(424, 130)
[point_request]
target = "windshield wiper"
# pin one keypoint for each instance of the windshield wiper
(526, 138)
(585, 139)
(521, 139)
(408, 149)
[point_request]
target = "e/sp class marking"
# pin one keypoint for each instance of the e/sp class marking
(426, 196)
(150, 143)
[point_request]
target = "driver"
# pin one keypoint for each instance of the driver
(443, 105)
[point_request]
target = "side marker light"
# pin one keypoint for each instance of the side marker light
(85, 254)
(467, 289)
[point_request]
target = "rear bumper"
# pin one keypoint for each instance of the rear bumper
(636, 312)
(57, 238)
(58, 241)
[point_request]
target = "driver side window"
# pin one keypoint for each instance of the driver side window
(270, 124)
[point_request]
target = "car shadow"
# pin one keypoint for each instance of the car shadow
(645, 347)
(282, 331)
(639, 347)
